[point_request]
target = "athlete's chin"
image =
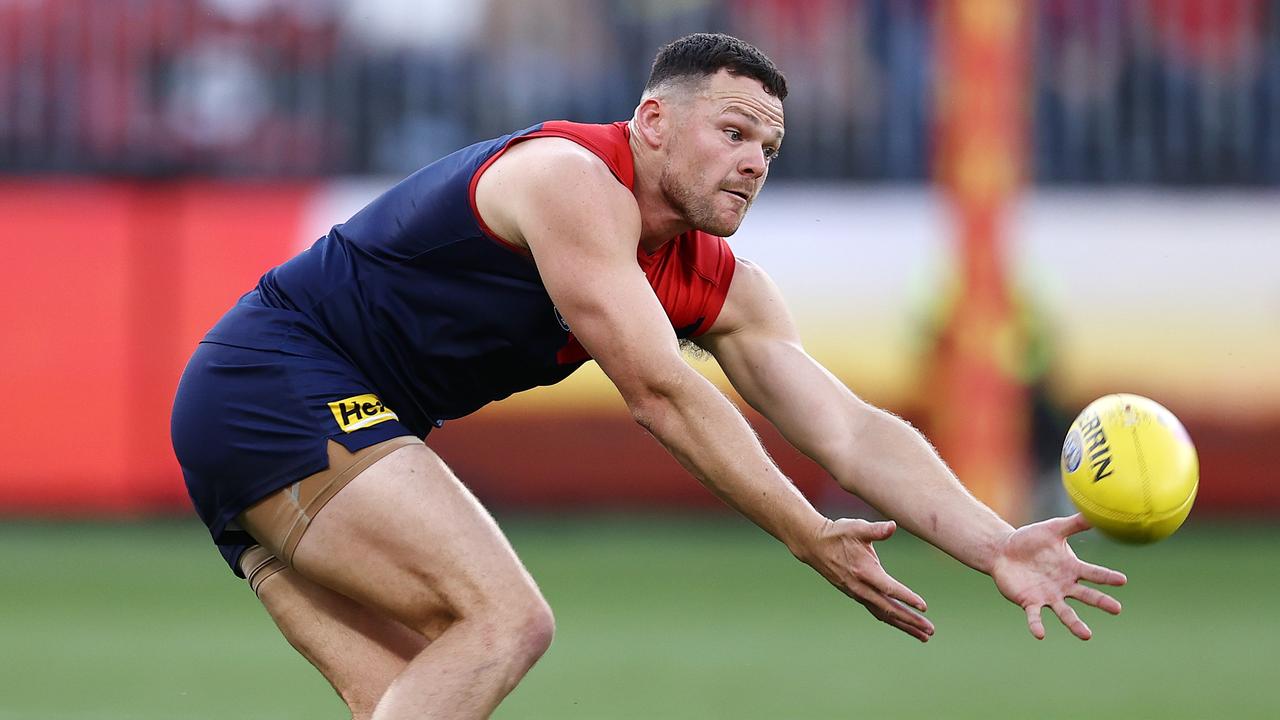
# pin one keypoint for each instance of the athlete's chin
(721, 227)
(724, 222)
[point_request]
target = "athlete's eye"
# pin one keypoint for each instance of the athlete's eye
(734, 135)
(770, 153)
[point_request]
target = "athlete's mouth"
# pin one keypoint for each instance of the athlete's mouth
(739, 193)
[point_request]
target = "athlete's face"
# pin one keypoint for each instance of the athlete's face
(718, 157)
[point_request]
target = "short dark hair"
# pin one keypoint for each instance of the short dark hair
(705, 54)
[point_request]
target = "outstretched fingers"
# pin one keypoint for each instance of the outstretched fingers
(1068, 616)
(1101, 575)
(903, 620)
(1037, 568)
(1096, 598)
(1034, 623)
(1065, 613)
(887, 585)
(891, 610)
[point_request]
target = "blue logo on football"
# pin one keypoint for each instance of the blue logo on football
(1072, 451)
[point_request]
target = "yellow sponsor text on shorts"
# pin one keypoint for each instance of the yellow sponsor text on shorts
(360, 411)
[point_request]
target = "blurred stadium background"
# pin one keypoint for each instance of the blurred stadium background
(986, 213)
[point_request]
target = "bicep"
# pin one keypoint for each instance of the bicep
(582, 228)
(613, 312)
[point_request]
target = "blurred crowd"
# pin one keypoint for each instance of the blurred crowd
(1136, 91)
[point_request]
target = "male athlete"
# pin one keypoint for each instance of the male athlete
(507, 265)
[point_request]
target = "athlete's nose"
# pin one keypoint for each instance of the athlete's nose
(753, 164)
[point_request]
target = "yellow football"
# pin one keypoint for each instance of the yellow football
(1131, 468)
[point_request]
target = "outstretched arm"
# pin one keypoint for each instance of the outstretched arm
(582, 228)
(885, 461)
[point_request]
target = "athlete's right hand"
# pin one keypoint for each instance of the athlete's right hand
(840, 550)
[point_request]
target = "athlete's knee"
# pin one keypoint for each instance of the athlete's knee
(520, 627)
(529, 626)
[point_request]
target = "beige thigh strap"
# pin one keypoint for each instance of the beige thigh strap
(257, 563)
(279, 520)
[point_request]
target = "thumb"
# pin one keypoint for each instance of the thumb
(1070, 525)
(881, 530)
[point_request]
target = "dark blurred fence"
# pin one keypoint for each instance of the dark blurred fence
(1124, 91)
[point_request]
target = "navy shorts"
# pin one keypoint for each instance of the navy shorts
(248, 422)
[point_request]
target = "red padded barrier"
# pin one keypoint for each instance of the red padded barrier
(109, 287)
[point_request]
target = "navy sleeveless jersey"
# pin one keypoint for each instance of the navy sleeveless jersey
(440, 315)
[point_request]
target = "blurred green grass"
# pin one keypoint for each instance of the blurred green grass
(658, 617)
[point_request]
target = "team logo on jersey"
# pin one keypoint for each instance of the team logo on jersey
(560, 319)
(360, 411)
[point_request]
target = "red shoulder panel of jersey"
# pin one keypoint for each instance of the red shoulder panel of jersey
(691, 276)
(611, 143)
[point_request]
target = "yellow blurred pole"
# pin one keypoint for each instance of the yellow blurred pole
(978, 404)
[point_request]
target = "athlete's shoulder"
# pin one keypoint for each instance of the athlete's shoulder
(550, 178)
(610, 142)
(564, 148)
(545, 164)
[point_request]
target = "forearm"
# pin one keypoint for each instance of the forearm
(711, 439)
(895, 469)
(871, 453)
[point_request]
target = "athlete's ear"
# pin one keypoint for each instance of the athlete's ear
(651, 122)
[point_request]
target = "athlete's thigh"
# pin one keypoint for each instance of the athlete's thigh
(405, 536)
(248, 424)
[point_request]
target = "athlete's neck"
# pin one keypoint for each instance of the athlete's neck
(659, 221)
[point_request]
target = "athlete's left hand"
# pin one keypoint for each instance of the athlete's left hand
(1035, 567)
